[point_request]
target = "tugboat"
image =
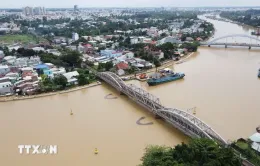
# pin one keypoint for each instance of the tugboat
(163, 76)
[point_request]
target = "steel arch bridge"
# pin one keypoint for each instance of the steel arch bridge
(233, 35)
(182, 120)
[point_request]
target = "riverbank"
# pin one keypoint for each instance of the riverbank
(14, 98)
(227, 20)
(166, 64)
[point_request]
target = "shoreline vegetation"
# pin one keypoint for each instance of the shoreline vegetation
(198, 151)
(15, 98)
(248, 17)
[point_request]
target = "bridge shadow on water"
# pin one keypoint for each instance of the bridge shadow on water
(156, 121)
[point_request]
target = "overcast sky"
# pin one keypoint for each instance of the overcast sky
(125, 3)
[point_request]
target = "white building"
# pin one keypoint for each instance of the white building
(38, 49)
(1, 54)
(54, 52)
(168, 39)
(9, 60)
(134, 40)
(255, 138)
(75, 36)
(71, 77)
(39, 11)
(4, 70)
(120, 72)
(5, 88)
(58, 71)
(28, 11)
(76, 8)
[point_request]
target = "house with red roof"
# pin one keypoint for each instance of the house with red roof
(122, 65)
(88, 48)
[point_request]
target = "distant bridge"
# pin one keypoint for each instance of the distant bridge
(226, 44)
(184, 121)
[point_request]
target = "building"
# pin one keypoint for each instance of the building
(122, 65)
(133, 40)
(58, 71)
(43, 69)
(75, 36)
(71, 77)
(153, 32)
(120, 72)
(28, 11)
(38, 49)
(76, 8)
(4, 69)
(255, 138)
(2, 55)
(158, 54)
(54, 52)
(110, 53)
(5, 88)
(189, 39)
(39, 11)
(168, 39)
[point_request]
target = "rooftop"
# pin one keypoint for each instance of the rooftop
(69, 75)
(3, 67)
(255, 137)
(41, 66)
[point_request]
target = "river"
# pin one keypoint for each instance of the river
(221, 83)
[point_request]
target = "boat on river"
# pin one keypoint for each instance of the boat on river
(163, 76)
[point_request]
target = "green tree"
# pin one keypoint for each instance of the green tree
(192, 47)
(60, 81)
(72, 58)
(198, 152)
(6, 51)
(108, 65)
(156, 62)
(83, 79)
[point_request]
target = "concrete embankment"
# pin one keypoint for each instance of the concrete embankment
(14, 98)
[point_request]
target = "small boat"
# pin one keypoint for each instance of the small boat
(96, 151)
(194, 112)
(164, 76)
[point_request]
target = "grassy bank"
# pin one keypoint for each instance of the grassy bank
(244, 148)
(25, 39)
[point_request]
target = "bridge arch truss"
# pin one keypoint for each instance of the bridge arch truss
(113, 80)
(190, 124)
(182, 120)
(234, 35)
